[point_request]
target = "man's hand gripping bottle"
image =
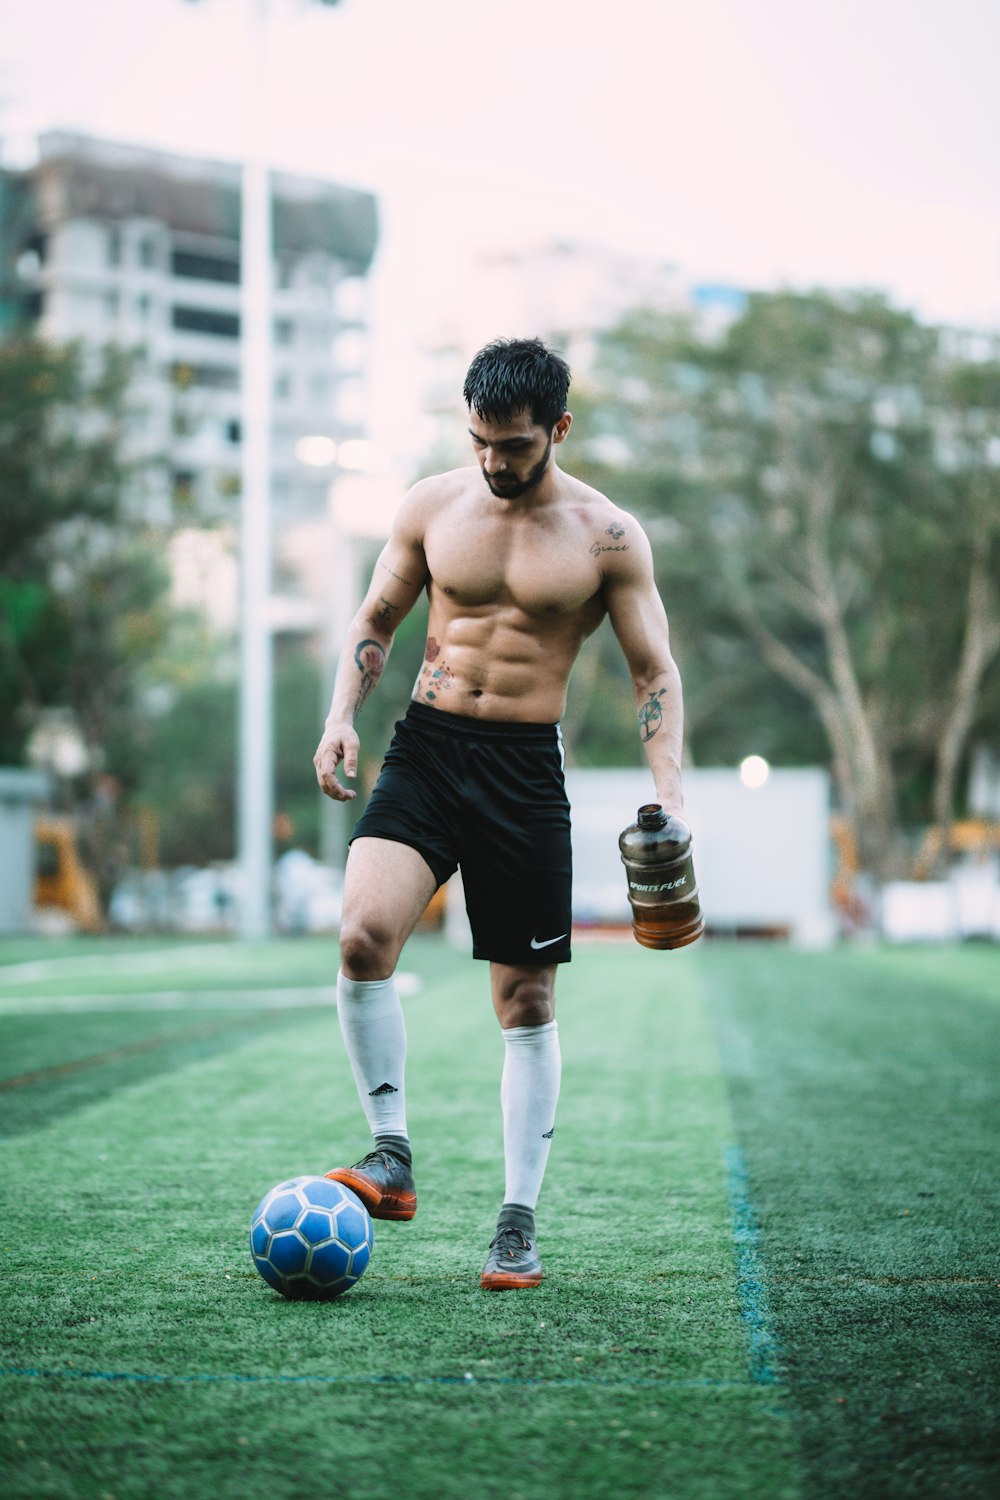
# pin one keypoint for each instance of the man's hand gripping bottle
(663, 894)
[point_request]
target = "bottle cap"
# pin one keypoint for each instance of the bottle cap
(651, 815)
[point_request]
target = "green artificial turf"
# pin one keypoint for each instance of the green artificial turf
(772, 1278)
(136, 1327)
(864, 1089)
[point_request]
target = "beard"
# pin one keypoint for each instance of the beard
(509, 488)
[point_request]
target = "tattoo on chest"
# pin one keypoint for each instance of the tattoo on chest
(370, 659)
(614, 531)
(651, 715)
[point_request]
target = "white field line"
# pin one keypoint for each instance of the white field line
(209, 955)
(233, 998)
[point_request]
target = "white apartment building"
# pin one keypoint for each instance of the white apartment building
(109, 243)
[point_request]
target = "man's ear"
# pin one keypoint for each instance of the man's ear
(560, 431)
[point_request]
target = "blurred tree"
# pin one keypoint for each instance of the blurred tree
(821, 489)
(83, 586)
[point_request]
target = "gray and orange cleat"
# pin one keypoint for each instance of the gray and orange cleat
(383, 1182)
(513, 1261)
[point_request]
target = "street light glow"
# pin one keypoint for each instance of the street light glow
(317, 451)
(754, 771)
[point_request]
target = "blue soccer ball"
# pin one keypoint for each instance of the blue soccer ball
(310, 1237)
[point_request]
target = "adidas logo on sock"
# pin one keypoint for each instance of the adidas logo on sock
(383, 1088)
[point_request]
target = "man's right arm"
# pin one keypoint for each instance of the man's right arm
(400, 575)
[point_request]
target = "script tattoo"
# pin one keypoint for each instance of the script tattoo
(651, 715)
(614, 531)
(397, 576)
(371, 660)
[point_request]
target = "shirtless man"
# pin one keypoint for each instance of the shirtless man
(521, 563)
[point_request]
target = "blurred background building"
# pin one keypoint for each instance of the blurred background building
(567, 292)
(110, 244)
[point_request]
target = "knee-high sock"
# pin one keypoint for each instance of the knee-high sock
(529, 1092)
(371, 1023)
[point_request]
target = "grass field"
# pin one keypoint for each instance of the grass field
(769, 1229)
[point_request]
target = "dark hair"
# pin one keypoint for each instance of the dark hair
(513, 375)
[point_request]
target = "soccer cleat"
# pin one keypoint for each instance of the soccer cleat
(383, 1183)
(513, 1261)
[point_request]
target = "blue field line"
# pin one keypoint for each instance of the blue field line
(467, 1381)
(765, 1350)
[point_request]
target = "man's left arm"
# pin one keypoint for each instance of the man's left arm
(639, 620)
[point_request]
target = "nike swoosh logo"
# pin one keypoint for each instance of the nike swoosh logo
(548, 941)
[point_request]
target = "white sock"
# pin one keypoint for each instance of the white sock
(529, 1092)
(371, 1023)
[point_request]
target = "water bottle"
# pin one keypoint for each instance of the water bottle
(662, 891)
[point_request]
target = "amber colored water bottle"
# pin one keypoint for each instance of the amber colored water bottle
(662, 891)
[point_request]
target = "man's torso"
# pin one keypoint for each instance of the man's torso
(514, 590)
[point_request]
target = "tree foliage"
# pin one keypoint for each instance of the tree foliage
(822, 488)
(83, 585)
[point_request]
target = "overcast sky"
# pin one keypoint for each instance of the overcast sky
(754, 141)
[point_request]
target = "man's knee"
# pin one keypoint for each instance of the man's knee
(368, 950)
(524, 998)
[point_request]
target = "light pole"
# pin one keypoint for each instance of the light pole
(255, 755)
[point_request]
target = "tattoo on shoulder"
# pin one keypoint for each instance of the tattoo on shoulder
(651, 715)
(614, 531)
(398, 577)
(370, 659)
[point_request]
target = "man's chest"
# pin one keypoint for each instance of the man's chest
(542, 569)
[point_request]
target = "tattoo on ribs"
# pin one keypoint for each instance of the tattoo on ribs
(370, 660)
(651, 715)
(435, 679)
(432, 650)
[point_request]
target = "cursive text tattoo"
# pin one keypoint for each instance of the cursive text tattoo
(387, 608)
(370, 660)
(398, 577)
(600, 547)
(651, 715)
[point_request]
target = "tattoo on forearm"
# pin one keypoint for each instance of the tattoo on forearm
(398, 577)
(386, 612)
(651, 715)
(370, 659)
(614, 531)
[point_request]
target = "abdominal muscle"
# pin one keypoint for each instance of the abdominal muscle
(498, 662)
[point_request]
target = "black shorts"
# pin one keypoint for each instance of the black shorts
(490, 799)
